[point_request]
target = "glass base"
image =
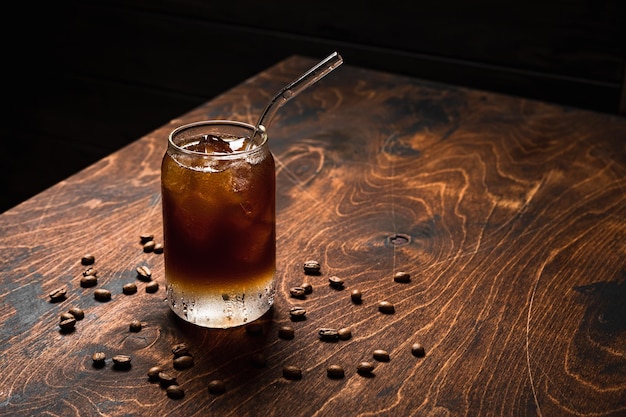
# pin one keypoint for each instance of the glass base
(220, 310)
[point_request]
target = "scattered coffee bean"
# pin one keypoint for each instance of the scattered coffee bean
(254, 328)
(180, 349)
(335, 282)
(286, 332)
(297, 292)
(312, 267)
(121, 361)
(335, 371)
(356, 296)
(418, 350)
(90, 271)
(88, 259)
(135, 326)
(402, 277)
(183, 362)
(153, 373)
(58, 295)
(145, 237)
(66, 316)
(149, 246)
(152, 287)
(365, 368)
(102, 295)
(158, 248)
(328, 335)
(129, 288)
(175, 392)
(98, 359)
(381, 355)
(297, 313)
(166, 379)
(386, 307)
(258, 360)
(308, 288)
(344, 333)
(292, 372)
(144, 273)
(67, 325)
(87, 281)
(78, 313)
(217, 387)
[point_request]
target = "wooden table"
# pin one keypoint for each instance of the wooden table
(508, 214)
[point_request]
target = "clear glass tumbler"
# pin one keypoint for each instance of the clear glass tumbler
(219, 224)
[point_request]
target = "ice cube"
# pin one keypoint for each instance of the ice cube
(241, 173)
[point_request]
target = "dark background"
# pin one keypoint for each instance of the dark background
(83, 80)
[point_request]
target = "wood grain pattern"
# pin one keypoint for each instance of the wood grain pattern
(508, 213)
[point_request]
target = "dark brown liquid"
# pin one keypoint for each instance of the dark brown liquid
(219, 227)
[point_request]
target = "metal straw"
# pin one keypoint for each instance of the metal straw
(291, 90)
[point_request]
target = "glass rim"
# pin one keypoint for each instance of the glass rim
(215, 122)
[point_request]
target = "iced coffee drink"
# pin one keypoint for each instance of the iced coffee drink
(218, 201)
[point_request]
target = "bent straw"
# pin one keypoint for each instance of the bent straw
(293, 89)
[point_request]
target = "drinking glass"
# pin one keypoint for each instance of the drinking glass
(219, 223)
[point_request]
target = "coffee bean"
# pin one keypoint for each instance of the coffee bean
(356, 296)
(386, 307)
(144, 273)
(66, 316)
(78, 313)
(365, 368)
(297, 313)
(183, 362)
(217, 387)
(102, 295)
(258, 360)
(328, 335)
(254, 328)
(88, 259)
(166, 379)
(129, 288)
(153, 373)
(402, 277)
(335, 371)
(297, 292)
(149, 246)
(308, 288)
(381, 355)
(67, 325)
(175, 392)
(98, 359)
(90, 271)
(286, 332)
(152, 287)
(158, 248)
(335, 282)
(180, 349)
(292, 372)
(58, 295)
(87, 281)
(121, 361)
(344, 333)
(312, 267)
(145, 237)
(135, 326)
(418, 350)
